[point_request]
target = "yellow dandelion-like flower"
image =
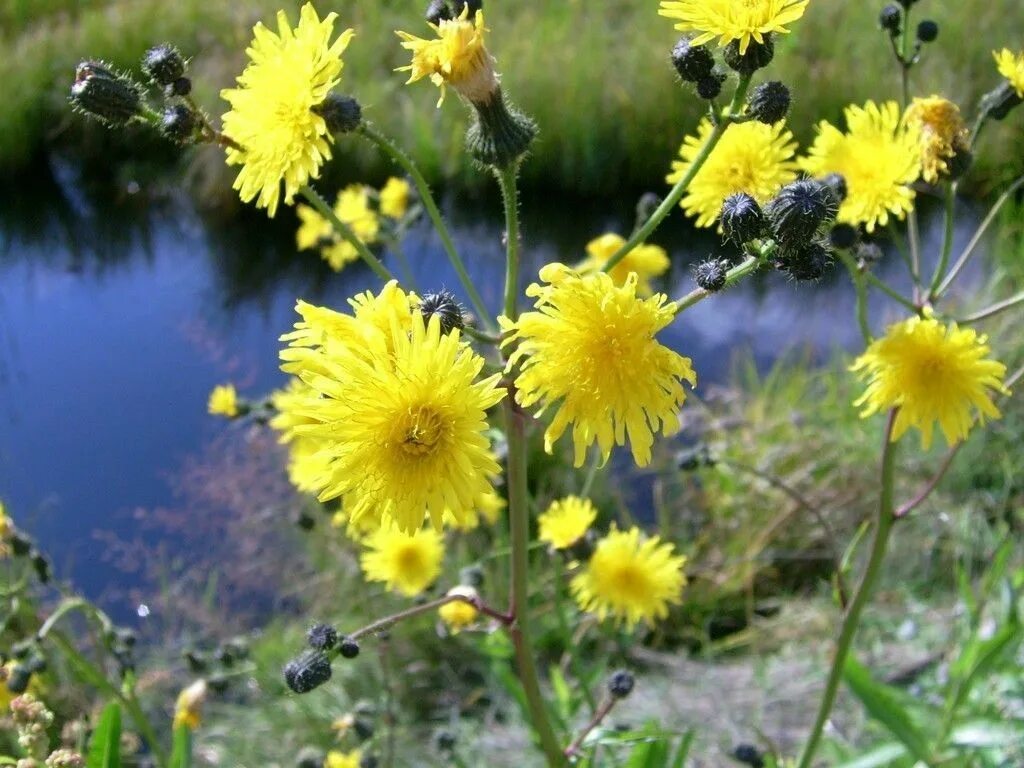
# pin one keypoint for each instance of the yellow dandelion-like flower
(589, 353)
(729, 20)
(942, 133)
(457, 57)
(336, 759)
(630, 578)
(932, 373)
(399, 414)
(879, 156)
(223, 401)
(353, 208)
(566, 521)
(751, 157)
(273, 115)
(459, 614)
(394, 197)
(1011, 67)
(188, 708)
(647, 261)
(407, 563)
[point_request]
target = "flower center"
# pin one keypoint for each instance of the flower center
(630, 582)
(408, 561)
(421, 431)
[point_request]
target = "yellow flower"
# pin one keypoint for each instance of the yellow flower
(337, 759)
(397, 410)
(353, 208)
(406, 563)
(223, 401)
(630, 578)
(459, 614)
(930, 372)
(879, 156)
(646, 261)
(6, 529)
(942, 132)
(1012, 68)
(394, 197)
(590, 354)
(751, 157)
(566, 521)
(187, 710)
(273, 111)
(457, 57)
(728, 20)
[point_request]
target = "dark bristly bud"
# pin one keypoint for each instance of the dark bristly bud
(310, 757)
(758, 55)
(472, 576)
(769, 103)
(343, 114)
(803, 262)
(447, 308)
(349, 648)
(999, 102)
(105, 95)
(907, 3)
(748, 755)
(474, 5)
(438, 11)
(500, 133)
(890, 19)
(694, 457)
(363, 728)
(836, 182)
(41, 566)
(621, 683)
(368, 761)
(959, 163)
(710, 275)
(742, 219)
(927, 31)
(218, 683)
(692, 62)
(18, 679)
(843, 236)
(180, 87)
(179, 124)
(309, 671)
(323, 637)
(163, 64)
(709, 87)
(304, 520)
(445, 741)
(23, 649)
(35, 664)
(799, 209)
(20, 545)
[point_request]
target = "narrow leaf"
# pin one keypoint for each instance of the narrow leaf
(105, 746)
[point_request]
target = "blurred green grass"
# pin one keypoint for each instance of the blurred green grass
(594, 74)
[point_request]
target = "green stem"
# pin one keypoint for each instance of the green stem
(510, 197)
(995, 309)
(857, 275)
(947, 240)
(883, 528)
(409, 166)
(641, 234)
(346, 233)
(519, 630)
(885, 288)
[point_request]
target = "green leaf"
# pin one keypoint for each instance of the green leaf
(563, 696)
(683, 750)
(878, 757)
(888, 706)
(649, 754)
(181, 750)
(105, 746)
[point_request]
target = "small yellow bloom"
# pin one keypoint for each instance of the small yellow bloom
(394, 197)
(352, 208)
(6, 529)
(589, 353)
(932, 373)
(729, 20)
(566, 521)
(646, 261)
(1011, 67)
(457, 58)
(751, 157)
(273, 118)
(459, 614)
(942, 132)
(487, 508)
(880, 158)
(406, 563)
(188, 709)
(630, 578)
(223, 401)
(337, 759)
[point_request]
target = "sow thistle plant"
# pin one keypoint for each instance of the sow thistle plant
(410, 414)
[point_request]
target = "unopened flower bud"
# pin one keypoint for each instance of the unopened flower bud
(322, 637)
(363, 728)
(447, 308)
(843, 236)
(310, 757)
(757, 56)
(438, 11)
(836, 182)
(180, 87)
(179, 124)
(445, 741)
(769, 103)
(803, 262)
(20, 545)
(105, 95)
(695, 457)
(309, 671)
(41, 566)
(927, 31)
(349, 648)
(343, 114)
(1000, 101)
(710, 275)
(748, 755)
(472, 576)
(500, 134)
(799, 209)
(692, 62)
(711, 86)
(621, 683)
(890, 19)
(18, 679)
(368, 761)
(163, 64)
(959, 163)
(742, 219)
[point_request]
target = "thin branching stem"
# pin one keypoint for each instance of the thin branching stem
(995, 309)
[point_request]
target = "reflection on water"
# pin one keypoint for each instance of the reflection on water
(117, 318)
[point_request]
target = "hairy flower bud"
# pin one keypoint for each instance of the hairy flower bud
(742, 219)
(620, 683)
(349, 648)
(322, 637)
(837, 184)
(927, 31)
(799, 209)
(446, 307)
(843, 236)
(748, 755)
(343, 114)
(179, 124)
(803, 262)
(692, 62)
(711, 86)
(769, 103)
(163, 64)
(500, 134)
(180, 87)
(105, 95)
(308, 671)
(890, 19)
(710, 275)
(757, 56)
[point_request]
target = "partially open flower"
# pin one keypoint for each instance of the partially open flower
(187, 710)
(459, 614)
(943, 134)
(1011, 66)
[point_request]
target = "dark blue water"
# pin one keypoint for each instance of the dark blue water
(119, 313)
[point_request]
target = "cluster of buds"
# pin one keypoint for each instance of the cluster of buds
(14, 543)
(218, 665)
(695, 64)
(312, 668)
(27, 660)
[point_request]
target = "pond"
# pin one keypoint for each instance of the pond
(119, 313)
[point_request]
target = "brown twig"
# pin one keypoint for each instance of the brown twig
(602, 712)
